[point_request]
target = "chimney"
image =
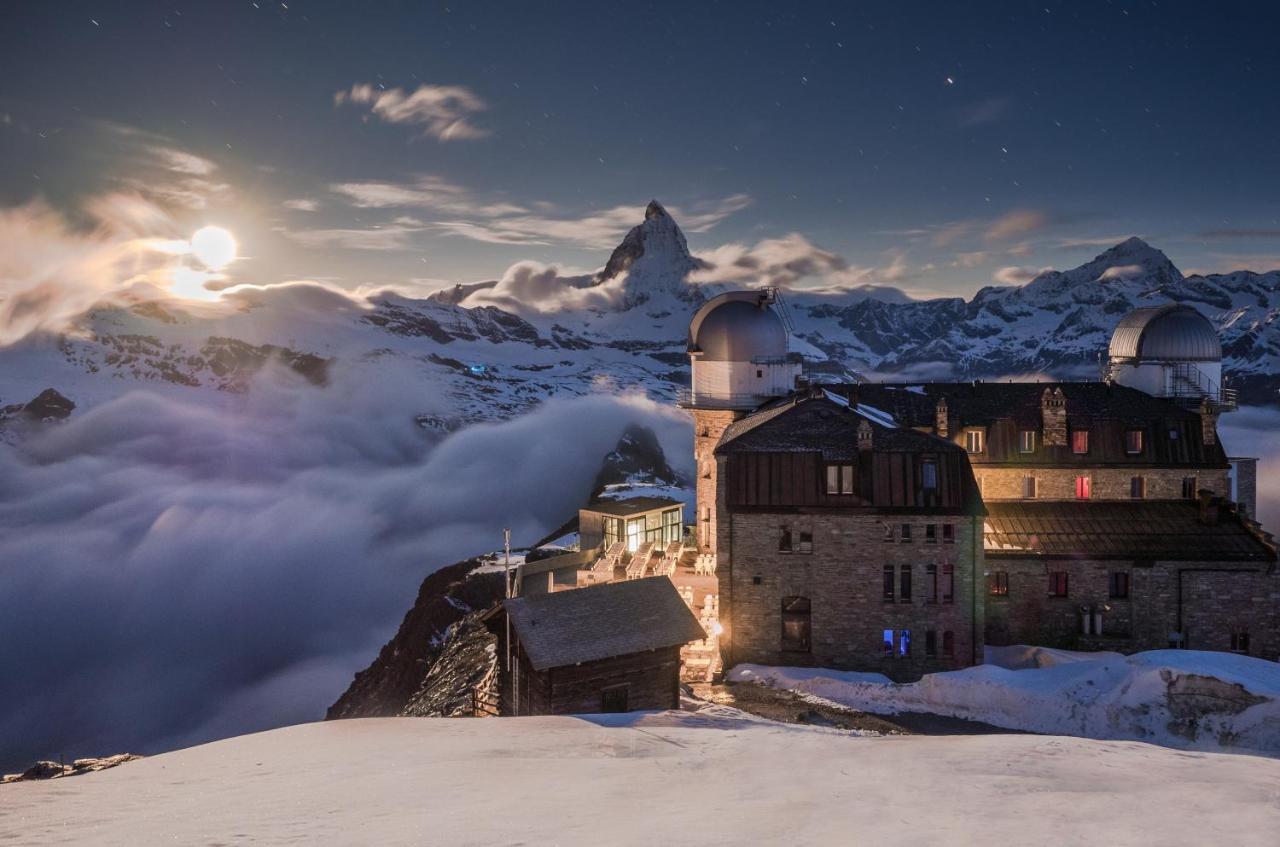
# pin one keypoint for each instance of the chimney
(1209, 506)
(1053, 413)
(941, 423)
(864, 436)
(1208, 422)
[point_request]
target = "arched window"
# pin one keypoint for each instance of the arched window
(795, 624)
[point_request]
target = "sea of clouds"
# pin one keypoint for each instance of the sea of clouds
(173, 572)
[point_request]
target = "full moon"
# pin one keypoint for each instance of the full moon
(213, 247)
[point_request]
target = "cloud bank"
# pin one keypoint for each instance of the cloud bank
(173, 573)
(443, 111)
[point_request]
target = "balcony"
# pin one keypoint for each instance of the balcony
(689, 399)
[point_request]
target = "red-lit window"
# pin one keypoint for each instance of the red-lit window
(1133, 441)
(1083, 488)
(1080, 441)
(1058, 584)
(999, 584)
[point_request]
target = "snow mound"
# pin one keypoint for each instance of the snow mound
(656, 778)
(1176, 698)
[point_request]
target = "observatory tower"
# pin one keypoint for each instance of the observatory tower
(738, 355)
(1170, 351)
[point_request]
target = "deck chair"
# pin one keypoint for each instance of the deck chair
(640, 561)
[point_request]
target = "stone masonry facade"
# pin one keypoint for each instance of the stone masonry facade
(708, 426)
(1105, 483)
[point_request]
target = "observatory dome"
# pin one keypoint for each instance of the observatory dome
(1165, 333)
(731, 328)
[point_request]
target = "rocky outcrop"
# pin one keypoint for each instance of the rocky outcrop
(46, 407)
(638, 457)
(464, 678)
(395, 678)
(57, 770)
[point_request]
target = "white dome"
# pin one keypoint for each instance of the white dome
(1172, 333)
(737, 327)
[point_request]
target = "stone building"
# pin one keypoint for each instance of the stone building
(846, 541)
(1114, 517)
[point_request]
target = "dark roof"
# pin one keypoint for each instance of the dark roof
(602, 621)
(1108, 529)
(975, 403)
(631, 505)
(822, 423)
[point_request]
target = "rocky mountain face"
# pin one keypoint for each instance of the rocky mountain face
(655, 258)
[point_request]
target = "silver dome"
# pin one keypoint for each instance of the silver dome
(737, 327)
(1166, 333)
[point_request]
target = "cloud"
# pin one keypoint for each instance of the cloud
(1017, 275)
(425, 192)
(397, 235)
(443, 111)
(1241, 233)
(1093, 241)
(1016, 224)
(301, 204)
(178, 571)
(793, 261)
(971, 259)
(532, 286)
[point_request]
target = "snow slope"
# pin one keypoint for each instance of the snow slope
(655, 778)
(1177, 698)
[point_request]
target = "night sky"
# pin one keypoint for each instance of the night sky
(934, 146)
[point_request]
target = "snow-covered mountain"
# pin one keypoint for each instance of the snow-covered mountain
(622, 328)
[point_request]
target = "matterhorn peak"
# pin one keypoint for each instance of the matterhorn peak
(654, 210)
(655, 257)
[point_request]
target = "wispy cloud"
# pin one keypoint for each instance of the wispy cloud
(443, 111)
(1017, 275)
(301, 204)
(1092, 241)
(1016, 224)
(793, 261)
(394, 236)
(424, 191)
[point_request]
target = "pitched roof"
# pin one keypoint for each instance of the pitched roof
(602, 621)
(825, 423)
(1168, 530)
(631, 505)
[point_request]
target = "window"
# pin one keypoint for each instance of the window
(1189, 487)
(1080, 442)
(1058, 584)
(806, 542)
(1240, 642)
(1173, 435)
(1118, 582)
(887, 636)
(1133, 441)
(888, 532)
(948, 534)
(931, 533)
(948, 583)
(931, 643)
(974, 440)
(931, 583)
(615, 698)
(1027, 441)
(785, 541)
(929, 475)
(839, 479)
(1084, 487)
(759, 373)
(904, 642)
(757, 580)
(906, 533)
(888, 583)
(1028, 487)
(1138, 487)
(795, 624)
(948, 644)
(904, 584)
(998, 584)
(671, 526)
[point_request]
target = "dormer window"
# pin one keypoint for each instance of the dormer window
(1133, 442)
(1027, 441)
(929, 475)
(1080, 442)
(974, 440)
(839, 479)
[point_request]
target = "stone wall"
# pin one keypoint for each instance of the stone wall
(1107, 483)
(708, 426)
(1217, 599)
(843, 579)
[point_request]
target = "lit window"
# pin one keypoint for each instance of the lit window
(1080, 441)
(929, 475)
(973, 440)
(1133, 441)
(1189, 487)
(1138, 487)
(887, 636)
(948, 644)
(904, 584)
(1083, 488)
(948, 534)
(1173, 435)
(904, 642)
(795, 624)
(888, 584)
(846, 479)
(833, 479)
(1027, 441)
(1118, 582)
(1028, 488)
(1058, 584)
(998, 585)
(839, 479)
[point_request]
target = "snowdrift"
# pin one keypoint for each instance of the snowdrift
(1177, 698)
